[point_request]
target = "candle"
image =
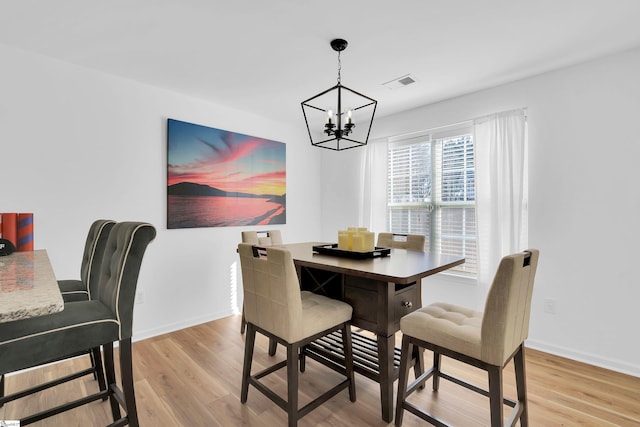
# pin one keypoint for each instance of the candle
(369, 241)
(343, 240)
(349, 117)
(329, 116)
(358, 242)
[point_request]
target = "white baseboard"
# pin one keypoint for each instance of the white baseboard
(165, 329)
(591, 359)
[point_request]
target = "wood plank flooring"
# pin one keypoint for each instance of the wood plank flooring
(192, 378)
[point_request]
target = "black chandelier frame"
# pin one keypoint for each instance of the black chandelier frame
(343, 127)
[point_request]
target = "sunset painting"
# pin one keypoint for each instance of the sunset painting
(217, 178)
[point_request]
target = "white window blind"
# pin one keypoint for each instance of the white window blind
(431, 191)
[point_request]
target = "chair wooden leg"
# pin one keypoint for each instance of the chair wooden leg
(111, 379)
(272, 346)
(437, 360)
(292, 383)
(248, 358)
(495, 395)
(126, 373)
(243, 322)
(521, 385)
(348, 360)
(303, 359)
(93, 364)
(418, 367)
(98, 373)
(403, 377)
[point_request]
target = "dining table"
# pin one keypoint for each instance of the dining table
(28, 286)
(381, 288)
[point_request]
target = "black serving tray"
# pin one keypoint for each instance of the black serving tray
(332, 249)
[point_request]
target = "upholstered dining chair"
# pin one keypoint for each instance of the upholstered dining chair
(263, 238)
(268, 237)
(275, 307)
(487, 340)
(101, 321)
(413, 242)
(79, 290)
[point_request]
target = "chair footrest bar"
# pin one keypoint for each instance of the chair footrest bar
(424, 415)
(14, 396)
(510, 402)
(118, 395)
(267, 392)
(322, 398)
(62, 408)
(514, 417)
(270, 370)
(419, 381)
(119, 423)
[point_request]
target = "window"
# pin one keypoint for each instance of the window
(431, 191)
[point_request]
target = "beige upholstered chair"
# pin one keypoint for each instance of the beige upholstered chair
(486, 340)
(413, 242)
(275, 307)
(262, 238)
(265, 238)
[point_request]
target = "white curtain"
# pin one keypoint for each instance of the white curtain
(372, 204)
(501, 189)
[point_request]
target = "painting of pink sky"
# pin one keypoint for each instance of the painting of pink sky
(220, 178)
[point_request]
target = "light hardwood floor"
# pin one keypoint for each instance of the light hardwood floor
(192, 378)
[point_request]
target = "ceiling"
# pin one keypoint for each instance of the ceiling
(266, 57)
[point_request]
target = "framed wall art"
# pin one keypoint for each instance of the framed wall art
(218, 178)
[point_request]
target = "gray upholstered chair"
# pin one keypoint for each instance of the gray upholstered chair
(412, 242)
(80, 289)
(487, 340)
(83, 325)
(275, 307)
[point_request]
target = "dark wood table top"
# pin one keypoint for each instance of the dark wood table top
(400, 266)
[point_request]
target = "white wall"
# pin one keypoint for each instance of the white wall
(583, 205)
(77, 145)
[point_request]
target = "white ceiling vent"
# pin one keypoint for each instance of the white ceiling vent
(400, 82)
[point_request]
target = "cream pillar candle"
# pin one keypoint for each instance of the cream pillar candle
(369, 241)
(358, 242)
(343, 240)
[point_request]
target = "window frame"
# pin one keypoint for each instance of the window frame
(435, 205)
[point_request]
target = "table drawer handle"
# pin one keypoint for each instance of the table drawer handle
(407, 304)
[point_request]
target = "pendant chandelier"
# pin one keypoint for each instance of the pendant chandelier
(339, 118)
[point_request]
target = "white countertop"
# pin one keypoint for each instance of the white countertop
(28, 287)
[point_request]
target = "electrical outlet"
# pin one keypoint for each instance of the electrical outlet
(139, 297)
(550, 305)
